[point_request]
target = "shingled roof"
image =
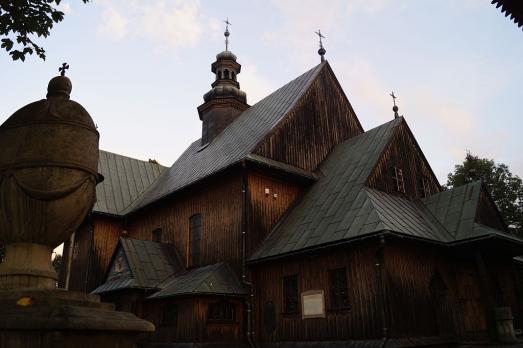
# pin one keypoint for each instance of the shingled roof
(339, 207)
(146, 264)
(233, 144)
(217, 279)
(125, 179)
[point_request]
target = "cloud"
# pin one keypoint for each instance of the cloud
(114, 24)
(255, 85)
(167, 23)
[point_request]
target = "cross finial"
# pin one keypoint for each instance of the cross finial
(63, 68)
(227, 23)
(321, 51)
(395, 107)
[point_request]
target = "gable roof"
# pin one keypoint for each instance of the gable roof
(125, 179)
(217, 279)
(233, 144)
(336, 207)
(339, 207)
(149, 263)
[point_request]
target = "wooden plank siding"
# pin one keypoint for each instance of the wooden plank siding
(219, 201)
(96, 239)
(192, 322)
(265, 210)
(487, 213)
(361, 321)
(403, 153)
(322, 118)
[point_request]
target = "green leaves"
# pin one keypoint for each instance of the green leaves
(23, 19)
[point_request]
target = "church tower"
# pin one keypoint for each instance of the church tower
(225, 101)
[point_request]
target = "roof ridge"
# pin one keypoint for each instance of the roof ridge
(133, 158)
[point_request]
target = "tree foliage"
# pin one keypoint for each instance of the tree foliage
(21, 20)
(505, 188)
(57, 264)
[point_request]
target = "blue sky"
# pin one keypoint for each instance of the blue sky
(141, 67)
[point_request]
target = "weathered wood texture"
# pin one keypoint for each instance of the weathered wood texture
(423, 291)
(322, 118)
(264, 208)
(362, 320)
(193, 324)
(94, 245)
(219, 203)
(487, 213)
(403, 153)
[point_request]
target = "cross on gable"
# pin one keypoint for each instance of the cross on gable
(393, 97)
(63, 68)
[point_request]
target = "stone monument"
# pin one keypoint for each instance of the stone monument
(48, 176)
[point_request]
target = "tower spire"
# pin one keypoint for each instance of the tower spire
(322, 50)
(226, 34)
(395, 107)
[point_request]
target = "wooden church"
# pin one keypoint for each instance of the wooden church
(289, 225)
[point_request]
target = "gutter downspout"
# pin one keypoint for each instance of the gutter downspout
(380, 260)
(248, 301)
(69, 260)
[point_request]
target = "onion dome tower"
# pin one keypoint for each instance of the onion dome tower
(225, 101)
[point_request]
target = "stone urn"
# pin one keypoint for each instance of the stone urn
(48, 175)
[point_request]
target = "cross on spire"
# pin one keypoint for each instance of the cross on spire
(63, 68)
(227, 23)
(395, 107)
(321, 51)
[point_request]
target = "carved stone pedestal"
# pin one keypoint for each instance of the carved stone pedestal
(40, 318)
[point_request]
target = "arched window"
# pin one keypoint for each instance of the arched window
(226, 74)
(195, 238)
(219, 75)
(233, 76)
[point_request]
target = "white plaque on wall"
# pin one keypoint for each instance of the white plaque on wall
(313, 304)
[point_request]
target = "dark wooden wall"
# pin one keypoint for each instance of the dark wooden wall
(362, 320)
(96, 240)
(319, 121)
(487, 213)
(404, 292)
(218, 201)
(403, 153)
(265, 210)
(193, 325)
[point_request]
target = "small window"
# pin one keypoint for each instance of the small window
(425, 186)
(397, 178)
(195, 238)
(170, 315)
(232, 75)
(222, 312)
(313, 304)
(219, 74)
(226, 74)
(157, 235)
(338, 293)
(290, 294)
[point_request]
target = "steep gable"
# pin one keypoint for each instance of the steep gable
(404, 153)
(322, 118)
(140, 264)
(233, 144)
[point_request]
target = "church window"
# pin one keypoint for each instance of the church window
(232, 75)
(425, 186)
(219, 74)
(222, 311)
(338, 293)
(157, 235)
(195, 238)
(226, 74)
(170, 315)
(397, 178)
(290, 294)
